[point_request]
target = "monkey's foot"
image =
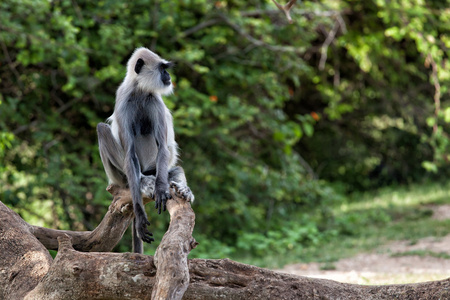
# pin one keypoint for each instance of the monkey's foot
(182, 191)
(143, 233)
(161, 197)
(148, 186)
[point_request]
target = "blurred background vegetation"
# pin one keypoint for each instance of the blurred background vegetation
(278, 123)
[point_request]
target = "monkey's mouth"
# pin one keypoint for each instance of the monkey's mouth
(167, 82)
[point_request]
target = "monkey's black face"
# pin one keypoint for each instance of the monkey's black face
(165, 77)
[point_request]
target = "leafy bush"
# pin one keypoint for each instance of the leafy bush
(262, 108)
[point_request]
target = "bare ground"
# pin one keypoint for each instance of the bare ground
(383, 267)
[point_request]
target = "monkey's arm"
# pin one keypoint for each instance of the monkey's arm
(162, 163)
(161, 184)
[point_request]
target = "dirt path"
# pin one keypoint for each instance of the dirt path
(384, 267)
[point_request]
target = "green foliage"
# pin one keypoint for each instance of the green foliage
(280, 241)
(62, 64)
(261, 108)
(383, 95)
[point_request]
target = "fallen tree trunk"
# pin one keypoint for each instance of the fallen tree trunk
(24, 261)
(226, 279)
(28, 271)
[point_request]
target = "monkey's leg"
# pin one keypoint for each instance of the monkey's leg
(148, 185)
(178, 182)
(112, 155)
(133, 173)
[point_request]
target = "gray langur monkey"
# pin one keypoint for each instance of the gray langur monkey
(138, 150)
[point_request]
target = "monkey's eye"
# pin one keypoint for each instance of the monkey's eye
(166, 65)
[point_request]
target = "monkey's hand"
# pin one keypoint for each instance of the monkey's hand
(182, 191)
(162, 194)
(141, 226)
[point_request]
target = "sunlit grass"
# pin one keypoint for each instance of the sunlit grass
(373, 219)
(414, 195)
(422, 253)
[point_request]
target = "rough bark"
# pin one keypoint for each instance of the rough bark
(226, 279)
(27, 271)
(23, 260)
(95, 275)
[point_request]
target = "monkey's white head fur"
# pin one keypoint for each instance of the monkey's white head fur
(149, 78)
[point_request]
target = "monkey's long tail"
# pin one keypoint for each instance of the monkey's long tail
(138, 244)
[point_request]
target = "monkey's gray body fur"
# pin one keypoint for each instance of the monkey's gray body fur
(138, 149)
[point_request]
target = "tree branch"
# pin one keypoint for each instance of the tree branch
(437, 90)
(224, 19)
(286, 8)
(103, 238)
(60, 110)
(257, 42)
(257, 13)
(11, 65)
(199, 27)
(326, 44)
(172, 277)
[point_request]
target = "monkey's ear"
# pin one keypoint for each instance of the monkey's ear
(139, 65)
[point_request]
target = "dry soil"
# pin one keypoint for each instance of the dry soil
(382, 266)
